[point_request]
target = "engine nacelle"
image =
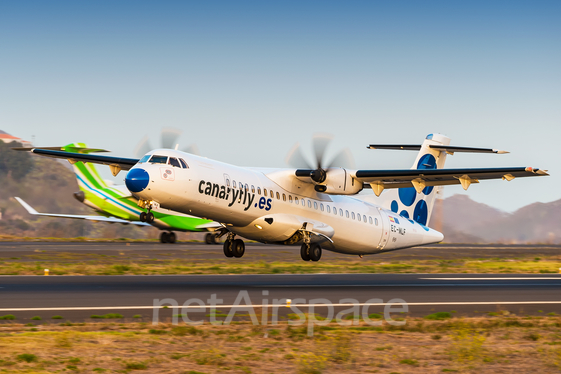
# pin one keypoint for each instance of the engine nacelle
(339, 181)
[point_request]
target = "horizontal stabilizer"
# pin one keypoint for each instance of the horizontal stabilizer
(32, 211)
(445, 148)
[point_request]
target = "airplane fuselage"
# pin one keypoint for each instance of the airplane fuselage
(271, 205)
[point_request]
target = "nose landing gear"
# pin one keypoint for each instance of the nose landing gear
(310, 251)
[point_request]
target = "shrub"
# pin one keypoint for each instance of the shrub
(56, 317)
(27, 357)
(310, 363)
(137, 316)
(135, 365)
(439, 316)
(211, 357)
(8, 317)
(467, 344)
(409, 361)
(106, 316)
(157, 332)
(36, 318)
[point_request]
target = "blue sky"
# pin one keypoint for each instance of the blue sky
(246, 80)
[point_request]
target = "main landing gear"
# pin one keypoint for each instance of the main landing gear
(310, 252)
(233, 247)
(211, 238)
(147, 217)
(168, 237)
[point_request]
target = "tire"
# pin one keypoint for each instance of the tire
(228, 248)
(149, 217)
(215, 239)
(164, 237)
(143, 217)
(238, 248)
(172, 237)
(209, 239)
(305, 252)
(315, 252)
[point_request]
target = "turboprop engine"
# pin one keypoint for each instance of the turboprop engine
(336, 181)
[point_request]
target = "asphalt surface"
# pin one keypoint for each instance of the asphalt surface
(76, 298)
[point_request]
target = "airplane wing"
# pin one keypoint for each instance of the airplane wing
(120, 162)
(421, 178)
(30, 209)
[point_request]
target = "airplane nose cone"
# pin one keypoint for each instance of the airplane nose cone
(137, 180)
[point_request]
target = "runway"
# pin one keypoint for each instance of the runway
(76, 298)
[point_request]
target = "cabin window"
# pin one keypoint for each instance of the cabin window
(259, 190)
(310, 204)
(144, 159)
(347, 213)
(353, 215)
(364, 218)
(315, 205)
(241, 186)
(278, 196)
(341, 212)
(303, 203)
(227, 182)
(321, 207)
(376, 221)
(290, 198)
(246, 187)
(283, 197)
(369, 220)
(358, 217)
(183, 163)
(159, 159)
(234, 184)
(328, 209)
(265, 192)
(272, 193)
(173, 162)
(295, 200)
(252, 189)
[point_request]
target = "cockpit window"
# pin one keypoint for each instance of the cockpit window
(173, 162)
(159, 159)
(183, 163)
(144, 159)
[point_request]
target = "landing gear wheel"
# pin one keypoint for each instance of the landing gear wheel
(171, 237)
(164, 237)
(305, 252)
(315, 252)
(149, 217)
(228, 248)
(211, 239)
(238, 248)
(143, 217)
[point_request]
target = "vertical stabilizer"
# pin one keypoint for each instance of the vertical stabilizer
(86, 174)
(416, 202)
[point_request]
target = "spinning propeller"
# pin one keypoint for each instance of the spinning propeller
(169, 138)
(318, 170)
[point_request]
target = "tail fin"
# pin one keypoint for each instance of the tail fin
(406, 201)
(86, 173)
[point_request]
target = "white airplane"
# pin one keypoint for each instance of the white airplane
(318, 207)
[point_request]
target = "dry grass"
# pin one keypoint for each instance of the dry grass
(483, 345)
(71, 263)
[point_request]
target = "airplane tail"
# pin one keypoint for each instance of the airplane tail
(86, 174)
(407, 202)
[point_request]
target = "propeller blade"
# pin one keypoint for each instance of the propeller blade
(192, 149)
(142, 148)
(296, 159)
(344, 159)
(169, 137)
(320, 142)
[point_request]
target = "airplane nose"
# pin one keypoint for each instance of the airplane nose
(137, 180)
